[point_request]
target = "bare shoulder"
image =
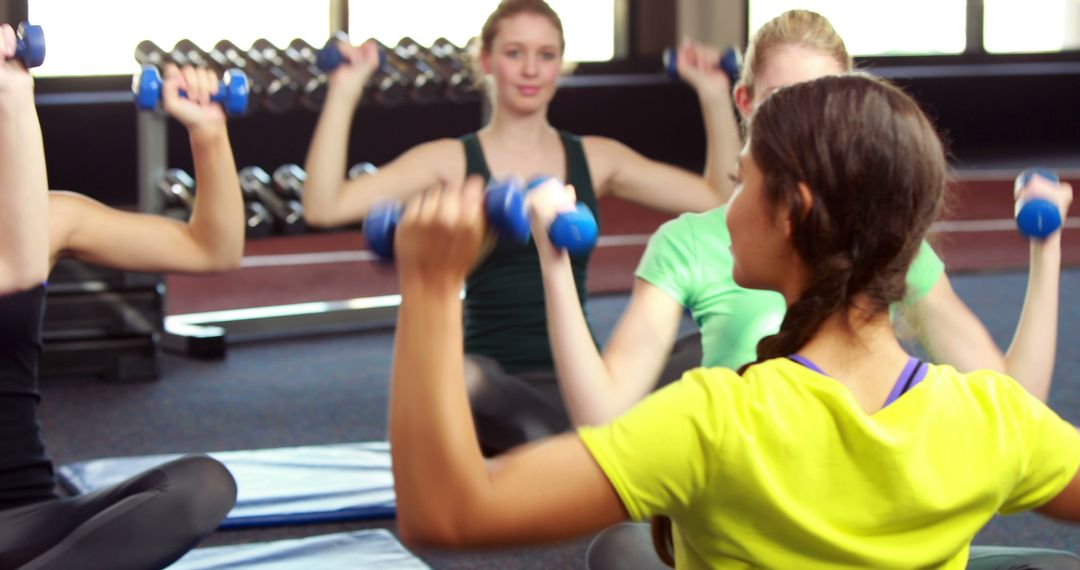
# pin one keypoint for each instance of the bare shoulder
(446, 157)
(602, 148)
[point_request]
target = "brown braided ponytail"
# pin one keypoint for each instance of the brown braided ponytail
(876, 171)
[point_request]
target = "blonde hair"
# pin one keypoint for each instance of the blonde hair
(794, 27)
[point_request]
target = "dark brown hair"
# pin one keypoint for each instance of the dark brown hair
(876, 171)
(511, 8)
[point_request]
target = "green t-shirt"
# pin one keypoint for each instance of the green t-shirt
(689, 259)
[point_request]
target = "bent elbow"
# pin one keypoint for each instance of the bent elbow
(426, 532)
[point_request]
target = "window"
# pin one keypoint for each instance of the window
(99, 37)
(589, 25)
(877, 27)
(1029, 27)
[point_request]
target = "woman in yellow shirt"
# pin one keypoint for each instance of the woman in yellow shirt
(834, 449)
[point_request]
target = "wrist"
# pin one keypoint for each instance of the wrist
(208, 133)
(714, 97)
(425, 288)
(337, 94)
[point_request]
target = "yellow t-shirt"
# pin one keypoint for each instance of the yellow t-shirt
(781, 467)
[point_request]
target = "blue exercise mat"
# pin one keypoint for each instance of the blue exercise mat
(279, 486)
(361, 549)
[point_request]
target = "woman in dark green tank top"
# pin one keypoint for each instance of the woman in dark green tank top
(506, 330)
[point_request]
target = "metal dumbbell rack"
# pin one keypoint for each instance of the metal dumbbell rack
(206, 335)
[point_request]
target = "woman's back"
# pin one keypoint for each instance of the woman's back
(786, 467)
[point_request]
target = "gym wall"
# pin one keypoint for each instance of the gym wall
(991, 112)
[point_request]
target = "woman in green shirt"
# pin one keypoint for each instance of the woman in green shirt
(687, 266)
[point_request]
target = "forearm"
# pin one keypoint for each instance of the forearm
(216, 222)
(437, 462)
(24, 236)
(327, 161)
(1030, 358)
(585, 381)
(722, 143)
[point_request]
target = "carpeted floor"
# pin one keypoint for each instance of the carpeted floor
(334, 389)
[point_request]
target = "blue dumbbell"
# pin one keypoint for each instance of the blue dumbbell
(232, 92)
(730, 63)
(379, 226)
(1037, 217)
(29, 45)
(330, 57)
(505, 206)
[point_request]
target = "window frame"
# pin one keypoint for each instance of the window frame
(629, 60)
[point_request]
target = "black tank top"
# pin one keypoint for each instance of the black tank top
(504, 296)
(26, 473)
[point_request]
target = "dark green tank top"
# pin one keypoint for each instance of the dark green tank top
(504, 296)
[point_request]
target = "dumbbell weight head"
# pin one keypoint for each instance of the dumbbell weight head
(257, 220)
(30, 45)
(575, 231)
(362, 169)
(379, 227)
(730, 63)
(289, 181)
(178, 188)
(1036, 217)
(232, 92)
(504, 204)
(287, 213)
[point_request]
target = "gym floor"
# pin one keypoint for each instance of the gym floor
(334, 388)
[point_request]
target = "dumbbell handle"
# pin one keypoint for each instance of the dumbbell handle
(1037, 218)
(730, 63)
(30, 45)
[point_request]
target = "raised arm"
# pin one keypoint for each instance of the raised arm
(212, 240)
(24, 208)
(329, 199)
(621, 171)
(597, 388)
(952, 334)
(446, 494)
(1032, 352)
(699, 65)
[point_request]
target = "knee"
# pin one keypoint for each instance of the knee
(623, 546)
(207, 491)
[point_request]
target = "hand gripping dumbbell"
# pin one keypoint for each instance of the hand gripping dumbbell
(1036, 217)
(330, 57)
(29, 45)
(506, 209)
(387, 85)
(232, 91)
(730, 63)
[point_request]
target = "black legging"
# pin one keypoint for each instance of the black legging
(146, 522)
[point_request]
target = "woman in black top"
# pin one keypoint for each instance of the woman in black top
(152, 519)
(509, 368)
